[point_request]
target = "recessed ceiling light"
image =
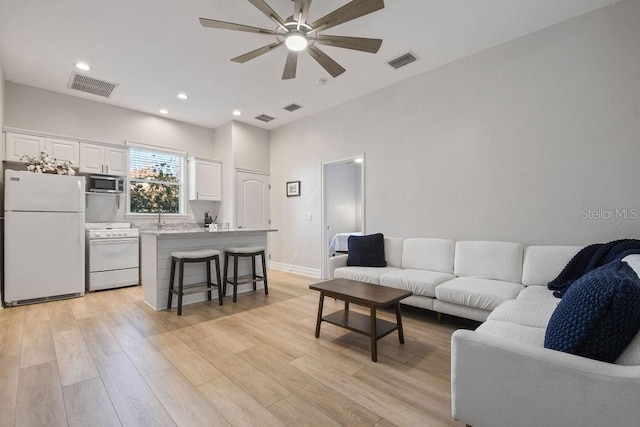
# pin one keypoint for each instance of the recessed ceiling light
(163, 111)
(236, 112)
(358, 160)
(183, 96)
(83, 66)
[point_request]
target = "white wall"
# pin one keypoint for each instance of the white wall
(509, 144)
(250, 147)
(223, 150)
(42, 110)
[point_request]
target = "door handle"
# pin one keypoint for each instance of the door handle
(107, 169)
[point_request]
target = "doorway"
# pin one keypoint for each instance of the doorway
(252, 200)
(343, 201)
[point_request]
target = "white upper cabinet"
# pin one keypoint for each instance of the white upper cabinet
(63, 150)
(18, 145)
(102, 159)
(205, 179)
(22, 145)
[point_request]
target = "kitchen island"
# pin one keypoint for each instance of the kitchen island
(155, 260)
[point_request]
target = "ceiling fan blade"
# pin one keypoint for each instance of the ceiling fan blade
(327, 63)
(301, 10)
(255, 53)
(354, 43)
(212, 23)
(266, 9)
(348, 12)
(290, 66)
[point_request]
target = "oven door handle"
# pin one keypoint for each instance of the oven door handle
(112, 241)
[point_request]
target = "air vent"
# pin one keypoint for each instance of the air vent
(90, 85)
(403, 60)
(264, 118)
(292, 107)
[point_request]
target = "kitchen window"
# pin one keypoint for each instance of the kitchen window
(155, 181)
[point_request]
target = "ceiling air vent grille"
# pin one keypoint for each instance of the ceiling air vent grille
(264, 118)
(292, 107)
(90, 85)
(403, 60)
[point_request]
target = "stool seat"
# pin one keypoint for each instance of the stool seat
(244, 249)
(202, 253)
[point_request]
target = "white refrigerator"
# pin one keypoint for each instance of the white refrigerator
(44, 237)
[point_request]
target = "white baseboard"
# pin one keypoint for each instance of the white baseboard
(304, 271)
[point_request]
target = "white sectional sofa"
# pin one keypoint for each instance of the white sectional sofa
(501, 374)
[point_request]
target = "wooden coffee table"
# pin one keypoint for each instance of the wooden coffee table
(366, 295)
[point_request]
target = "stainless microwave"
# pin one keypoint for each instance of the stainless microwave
(105, 184)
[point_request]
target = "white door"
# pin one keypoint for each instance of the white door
(252, 200)
(91, 158)
(37, 192)
(44, 255)
(63, 150)
(115, 161)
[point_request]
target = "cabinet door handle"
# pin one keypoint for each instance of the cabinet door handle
(107, 169)
(101, 168)
(197, 194)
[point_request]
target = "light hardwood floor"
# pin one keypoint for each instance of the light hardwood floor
(109, 359)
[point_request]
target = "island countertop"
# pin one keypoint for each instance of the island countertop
(204, 232)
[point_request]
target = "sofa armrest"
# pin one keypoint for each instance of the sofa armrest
(499, 382)
(336, 262)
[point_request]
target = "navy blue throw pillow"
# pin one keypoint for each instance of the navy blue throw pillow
(366, 251)
(599, 315)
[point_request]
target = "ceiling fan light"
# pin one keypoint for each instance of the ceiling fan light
(296, 42)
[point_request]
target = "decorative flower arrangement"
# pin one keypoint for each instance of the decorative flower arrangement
(45, 164)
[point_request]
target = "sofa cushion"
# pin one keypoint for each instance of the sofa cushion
(393, 251)
(363, 274)
(513, 332)
(428, 254)
(489, 260)
(366, 251)
(526, 313)
(537, 293)
(478, 293)
(542, 264)
(634, 262)
(599, 314)
(420, 282)
(631, 355)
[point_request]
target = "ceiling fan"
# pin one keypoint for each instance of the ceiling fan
(299, 35)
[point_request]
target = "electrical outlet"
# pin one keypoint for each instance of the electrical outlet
(295, 255)
(309, 217)
(103, 216)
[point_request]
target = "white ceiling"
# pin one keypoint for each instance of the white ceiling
(156, 48)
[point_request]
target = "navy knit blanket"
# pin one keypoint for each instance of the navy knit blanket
(590, 258)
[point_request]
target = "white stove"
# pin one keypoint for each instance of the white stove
(110, 230)
(112, 256)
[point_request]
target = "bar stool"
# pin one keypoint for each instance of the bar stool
(244, 252)
(182, 257)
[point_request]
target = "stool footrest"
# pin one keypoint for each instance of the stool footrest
(246, 279)
(194, 289)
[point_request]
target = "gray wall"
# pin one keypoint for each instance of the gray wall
(2, 108)
(250, 147)
(515, 143)
(42, 110)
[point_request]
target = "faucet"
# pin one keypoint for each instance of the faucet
(160, 219)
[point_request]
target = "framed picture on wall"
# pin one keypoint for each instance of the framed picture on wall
(293, 188)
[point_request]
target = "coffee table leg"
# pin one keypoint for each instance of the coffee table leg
(374, 336)
(320, 304)
(399, 322)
